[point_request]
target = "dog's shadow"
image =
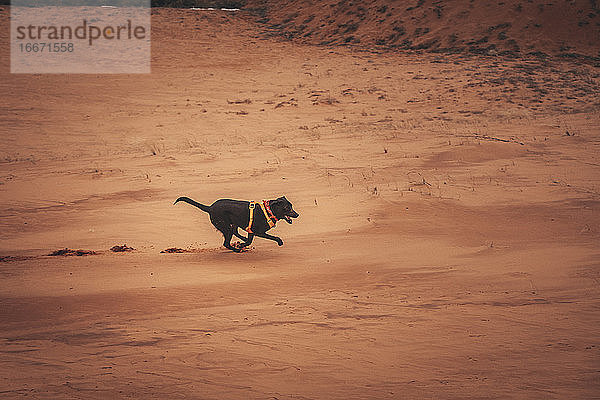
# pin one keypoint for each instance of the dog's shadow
(247, 255)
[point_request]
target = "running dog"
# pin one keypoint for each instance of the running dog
(256, 218)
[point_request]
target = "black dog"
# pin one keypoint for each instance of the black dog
(255, 218)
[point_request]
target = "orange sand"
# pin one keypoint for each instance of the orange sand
(447, 245)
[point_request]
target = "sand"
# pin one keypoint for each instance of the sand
(447, 245)
(562, 28)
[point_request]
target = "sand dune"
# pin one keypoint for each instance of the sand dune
(565, 28)
(447, 245)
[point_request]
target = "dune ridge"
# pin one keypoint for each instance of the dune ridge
(565, 28)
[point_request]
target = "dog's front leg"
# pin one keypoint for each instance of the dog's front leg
(237, 234)
(247, 241)
(271, 237)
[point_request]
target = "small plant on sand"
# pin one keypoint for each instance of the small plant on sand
(157, 148)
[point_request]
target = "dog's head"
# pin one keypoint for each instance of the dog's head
(282, 209)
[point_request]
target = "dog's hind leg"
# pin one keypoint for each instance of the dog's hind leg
(271, 237)
(227, 231)
(227, 242)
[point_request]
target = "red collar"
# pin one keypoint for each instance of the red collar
(269, 212)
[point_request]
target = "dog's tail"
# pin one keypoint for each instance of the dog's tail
(194, 203)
